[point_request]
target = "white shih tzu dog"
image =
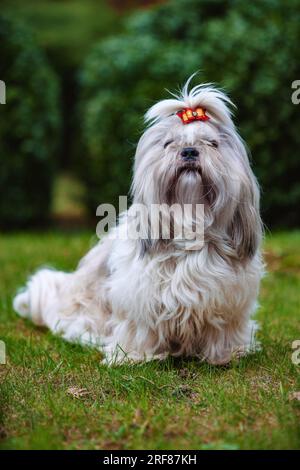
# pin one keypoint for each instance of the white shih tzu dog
(145, 298)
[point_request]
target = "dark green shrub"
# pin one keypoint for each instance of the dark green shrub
(29, 128)
(66, 29)
(250, 49)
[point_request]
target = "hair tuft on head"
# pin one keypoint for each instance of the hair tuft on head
(217, 104)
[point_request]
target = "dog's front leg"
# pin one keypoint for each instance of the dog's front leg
(130, 342)
(233, 341)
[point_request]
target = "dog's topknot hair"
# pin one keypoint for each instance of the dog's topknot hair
(217, 104)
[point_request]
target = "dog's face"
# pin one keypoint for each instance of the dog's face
(203, 162)
(191, 167)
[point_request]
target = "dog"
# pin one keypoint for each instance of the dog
(140, 299)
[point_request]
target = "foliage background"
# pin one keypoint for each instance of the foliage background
(250, 49)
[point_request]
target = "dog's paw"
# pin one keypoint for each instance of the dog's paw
(243, 351)
(21, 304)
(117, 359)
(219, 361)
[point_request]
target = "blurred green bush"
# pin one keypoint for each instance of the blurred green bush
(65, 30)
(249, 48)
(29, 128)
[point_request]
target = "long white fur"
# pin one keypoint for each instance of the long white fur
(142, 300)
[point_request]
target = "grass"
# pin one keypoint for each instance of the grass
(57, 395)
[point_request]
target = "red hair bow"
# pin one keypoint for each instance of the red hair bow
(188, 115)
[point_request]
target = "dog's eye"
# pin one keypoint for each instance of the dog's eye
(167, 143)
(214, 143)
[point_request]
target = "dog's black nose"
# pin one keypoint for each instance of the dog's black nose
(189, 154)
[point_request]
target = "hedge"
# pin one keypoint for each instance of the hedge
(29, 128)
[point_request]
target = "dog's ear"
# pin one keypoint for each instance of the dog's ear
(245, 229)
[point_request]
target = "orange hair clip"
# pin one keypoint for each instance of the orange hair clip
(188, 115)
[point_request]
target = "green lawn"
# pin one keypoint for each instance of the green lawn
(57, 395)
